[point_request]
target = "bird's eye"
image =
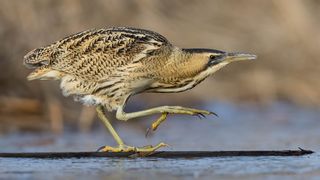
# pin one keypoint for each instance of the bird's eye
(213, 57)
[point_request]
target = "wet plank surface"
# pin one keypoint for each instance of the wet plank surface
(159, 154)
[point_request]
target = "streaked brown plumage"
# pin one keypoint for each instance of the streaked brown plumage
(104, 67)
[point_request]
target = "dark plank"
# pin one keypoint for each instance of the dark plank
(158, 154)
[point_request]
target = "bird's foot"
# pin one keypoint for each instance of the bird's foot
(178, 110)
(145, 150)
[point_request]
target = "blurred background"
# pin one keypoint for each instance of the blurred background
(281, 87)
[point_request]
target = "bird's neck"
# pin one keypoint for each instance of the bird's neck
(188, 64)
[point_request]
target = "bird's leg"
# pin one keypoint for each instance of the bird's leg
(121, 146)
(164, 110)
(109, 126)
(157, 122)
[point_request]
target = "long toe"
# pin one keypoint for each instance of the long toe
(121, 148)
(126, 148)
(152, 148)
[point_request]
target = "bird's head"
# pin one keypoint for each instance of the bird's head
(37, 58)
(211, 60)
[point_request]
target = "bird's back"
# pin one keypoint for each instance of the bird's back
(96, 53)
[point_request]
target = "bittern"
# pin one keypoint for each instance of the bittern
(105, 67)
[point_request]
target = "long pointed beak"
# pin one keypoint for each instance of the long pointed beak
(240, 56)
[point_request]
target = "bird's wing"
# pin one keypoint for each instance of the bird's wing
(97, 53)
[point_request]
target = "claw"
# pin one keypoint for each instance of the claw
(100, 149)
(147, 132)
(202, 115)
(213, 113)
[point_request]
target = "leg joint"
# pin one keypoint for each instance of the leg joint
(120, 115)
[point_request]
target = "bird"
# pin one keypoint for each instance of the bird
(105, 67)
